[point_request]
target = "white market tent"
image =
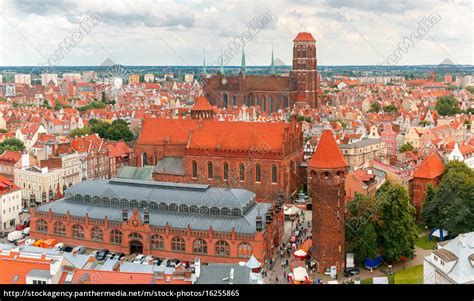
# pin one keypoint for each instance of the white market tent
(291, 210)
(253, 263)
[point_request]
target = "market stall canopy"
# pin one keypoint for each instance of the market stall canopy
(300, 254)
(253, 263)
(292, 210)
(308, 244)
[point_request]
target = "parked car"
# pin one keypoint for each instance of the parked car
(30, 241)
(157, 262)
(67, 249)
(119, 256)
(26, 231)
(14, 236)
(102, 254)
(3, 234)
(139, 258)
(172, 263)
(147, 259)
(348, 272)
(20, 227)
(111, 255)
(79, 249)
(58, 247)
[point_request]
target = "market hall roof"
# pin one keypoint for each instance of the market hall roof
(189, 194)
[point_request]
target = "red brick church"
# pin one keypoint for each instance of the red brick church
(270, 92)
(264, 158)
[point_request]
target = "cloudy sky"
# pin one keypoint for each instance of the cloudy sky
(146, 32)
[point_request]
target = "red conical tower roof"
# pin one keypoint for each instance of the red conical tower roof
(202, 104)
(327, 154)
(304, 37)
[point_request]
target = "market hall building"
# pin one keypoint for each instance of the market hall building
(167, 220)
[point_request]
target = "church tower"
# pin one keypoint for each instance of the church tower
(305, 70)
(327, 171)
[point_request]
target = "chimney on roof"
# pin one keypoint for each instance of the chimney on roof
(146, 216)
(258, 223)
(125, 215)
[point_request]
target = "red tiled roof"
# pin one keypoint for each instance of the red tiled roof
(304, 37)
(16, 268)
(431, 168)
(12, 156)
(327, 154)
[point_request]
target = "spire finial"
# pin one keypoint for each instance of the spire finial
(204, 71)
(272, 66)
(222, 63)
(243, 66)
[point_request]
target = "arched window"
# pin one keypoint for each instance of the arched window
(144, 159)
(274, 173)
(78, 231)
(258, 177)
(124, 203)
(106, 201)
(143, 204)
(133, 204)
(135, 235)
(194, 169)
(241, 172)
(173, 207)
(78, 197)
(244, 249)
(183, 208)
(116, 236)
(215, 211)
(226, 100)
(210, 170)
(225, 211)
(222, 248)
(204, 210)
(96, 200)
(42, 226)
(178, 244)
(270, 104)
(264, 104)
(193, 209)
(234, 100)
(200, 246)
(153, 206)
(163, 206)
(249, 101)
(285, 101)
(97, 234)
(236, 212)
(157, 242)
(59, 228)
(226, 171)
(87, 199)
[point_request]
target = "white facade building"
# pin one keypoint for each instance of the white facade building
(10, 204)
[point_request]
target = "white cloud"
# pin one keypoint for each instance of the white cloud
(147, 32)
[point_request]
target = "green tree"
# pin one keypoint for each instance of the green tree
(407, 147)
(11, 144)
(398, 232)
(390, 109)
(375, 107)
(447, 106)
(451, 204)
(81, 132)
(361, 227)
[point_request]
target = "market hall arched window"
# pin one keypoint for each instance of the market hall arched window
(116, 236)
(200, 246)
(59, 228)
(241, 172)
(244, 249)
(97, 234)
(42, 226)
(222, 248)
(178, 244)
(78, 231)
(157, 242)
(225, 171)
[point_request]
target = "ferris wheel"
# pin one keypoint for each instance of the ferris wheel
(116, 75)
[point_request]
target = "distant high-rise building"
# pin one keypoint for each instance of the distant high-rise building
(133, 79)
(46, 78)
(149, 78)
(71, 76)
(23, 79)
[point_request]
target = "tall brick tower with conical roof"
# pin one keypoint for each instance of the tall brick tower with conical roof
(327, 171)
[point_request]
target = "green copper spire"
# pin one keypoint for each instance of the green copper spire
(243, 66)
(272, 66)
(204, 71)
(222, 63)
